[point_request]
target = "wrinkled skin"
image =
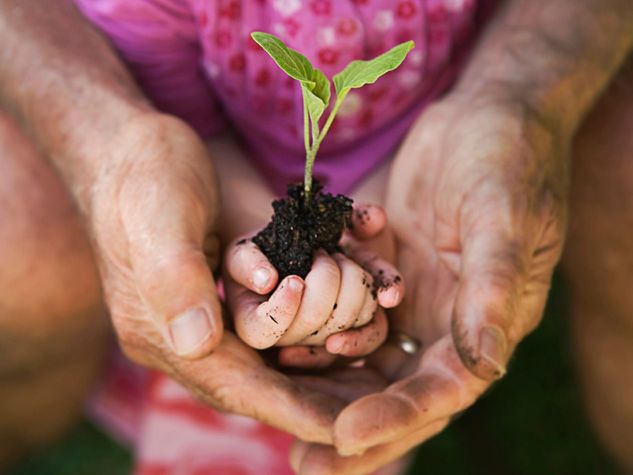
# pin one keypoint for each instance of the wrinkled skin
(477, 203)
(151, 220)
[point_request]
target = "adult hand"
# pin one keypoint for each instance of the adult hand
(476, 199)
(152, 217)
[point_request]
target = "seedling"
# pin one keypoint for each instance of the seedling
(315, 88)
(308, 219)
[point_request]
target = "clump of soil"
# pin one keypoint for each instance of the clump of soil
(298, 229)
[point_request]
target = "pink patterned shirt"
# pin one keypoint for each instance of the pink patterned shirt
(195, 59)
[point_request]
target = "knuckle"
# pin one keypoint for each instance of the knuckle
(506, 265)
(329, 270)
(224, 399)
(354, 273)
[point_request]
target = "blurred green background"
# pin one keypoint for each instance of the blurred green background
(531, 423)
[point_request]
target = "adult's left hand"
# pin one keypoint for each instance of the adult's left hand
(476, 199)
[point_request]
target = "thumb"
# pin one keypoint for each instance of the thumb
(492, 279)
(172, 276)
(179, 291)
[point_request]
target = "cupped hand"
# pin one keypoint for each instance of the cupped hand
(477, 201)
(152, 216)
(336, 310)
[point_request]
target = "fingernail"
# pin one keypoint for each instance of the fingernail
(391, 295)
(351, 451)
(261, 277)
(296, 285)
(189, 330)
(297, 452)
(493, 347)
(334, 347)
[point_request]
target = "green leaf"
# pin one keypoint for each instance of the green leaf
(315, 107)
(315, 86)
(293, 63)
(316, 100)
(358, 73)
(321, 86)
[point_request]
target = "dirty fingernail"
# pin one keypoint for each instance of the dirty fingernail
(261, 277)
(493, 347)
(189, 330)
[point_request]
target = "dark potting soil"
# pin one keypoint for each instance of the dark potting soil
(297, 229)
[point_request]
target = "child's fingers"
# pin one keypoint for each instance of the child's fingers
(351, 297)
(248, 266)
(367, 221)
(261, 324)
(305, 357)
(359, 341)
(368, 310)
(320, 293)
(390, 285)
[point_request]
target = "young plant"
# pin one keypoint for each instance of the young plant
(308, 219)
(315, 88)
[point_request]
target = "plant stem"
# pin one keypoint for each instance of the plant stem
(312, 151)
(307, 176)
(330, 119)
(306, 130)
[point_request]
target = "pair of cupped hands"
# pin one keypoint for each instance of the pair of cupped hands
(476, 211)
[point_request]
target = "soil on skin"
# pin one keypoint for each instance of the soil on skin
(296, 231)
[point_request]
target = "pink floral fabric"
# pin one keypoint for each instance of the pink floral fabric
(195, 59)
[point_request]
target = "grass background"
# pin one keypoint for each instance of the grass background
(531, 423)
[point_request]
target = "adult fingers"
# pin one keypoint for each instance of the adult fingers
(248, 266)
(261, 324)
(493, 274)
(169, 267)
(314, 459)
(319, 296)
(234, 379)
(441, 387)
(359, 341)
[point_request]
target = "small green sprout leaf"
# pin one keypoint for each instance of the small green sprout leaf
(315, 107)
(321, 86)
(316, 100)
(315, 88)
(358, 73)
(293, 63)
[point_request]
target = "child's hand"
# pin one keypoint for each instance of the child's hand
(337, 306)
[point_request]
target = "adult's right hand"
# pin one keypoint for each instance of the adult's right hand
(152, 215)
(477, 202)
